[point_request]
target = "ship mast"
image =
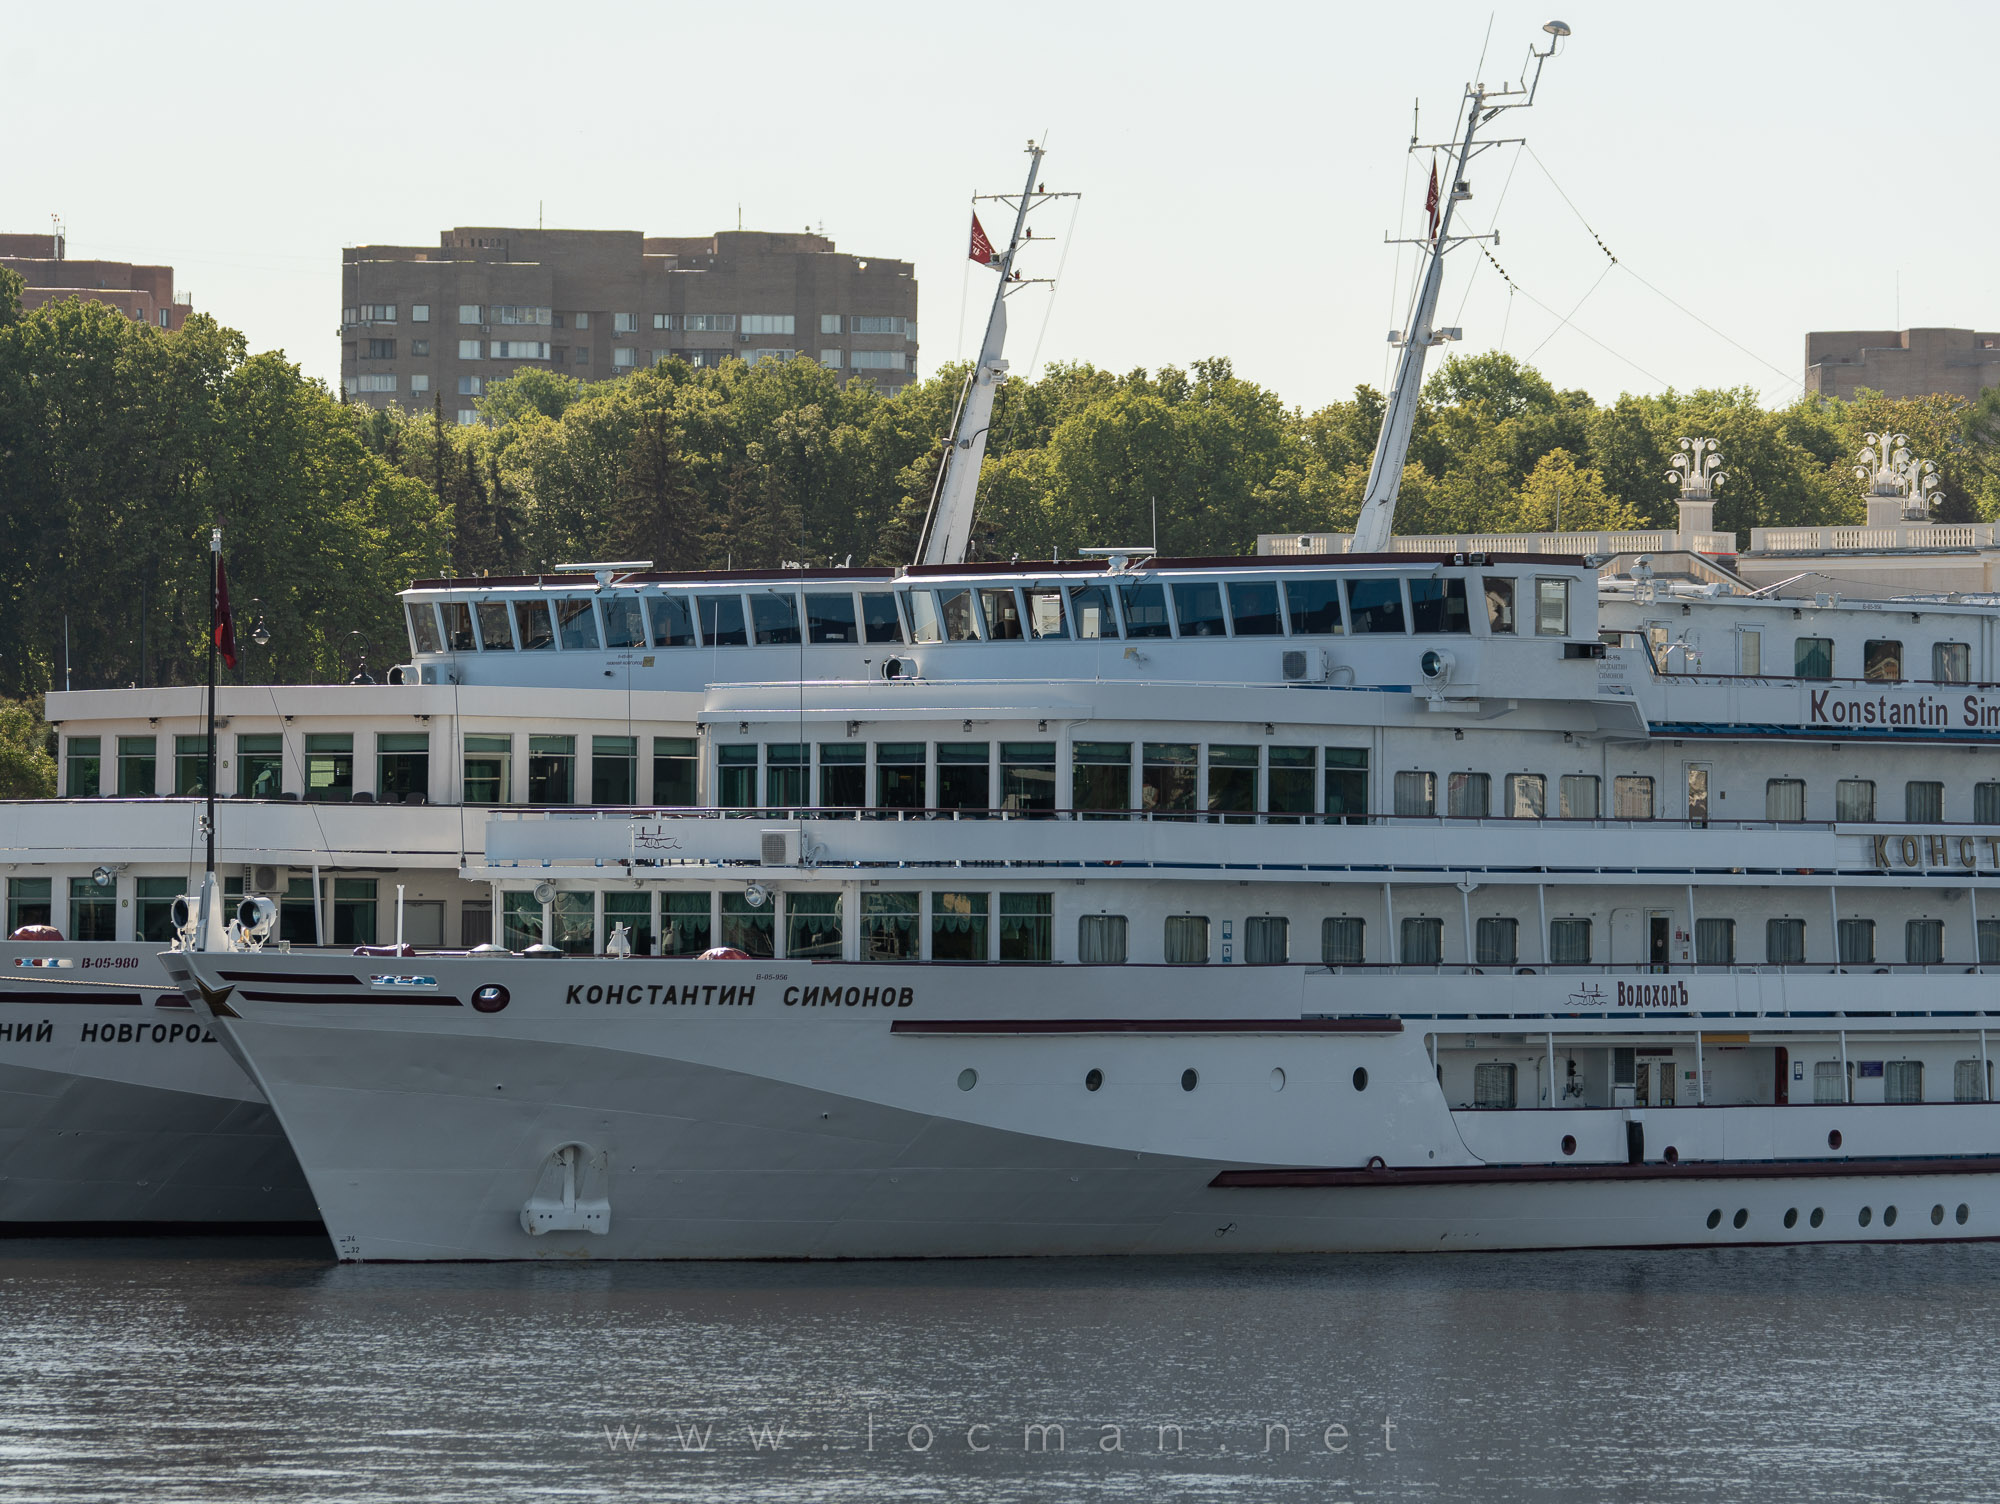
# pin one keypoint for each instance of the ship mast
(1392, 447)
(948, 523)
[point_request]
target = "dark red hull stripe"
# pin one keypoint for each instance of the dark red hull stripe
(327, 978)
(1148, 1026)
(80, 995)
(1760, 1169)
(404, 1000)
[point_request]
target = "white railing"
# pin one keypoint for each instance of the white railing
(1577, 544)
(1916, 535)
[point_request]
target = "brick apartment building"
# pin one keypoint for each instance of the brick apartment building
(144, 293)
(1902, 362)
(423, 324)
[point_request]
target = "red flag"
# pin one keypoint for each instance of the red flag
(1431, 200)
(982, 248)
(225, 625)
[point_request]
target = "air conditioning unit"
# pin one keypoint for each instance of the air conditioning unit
(1305, 664)
(263, 881)
(779, 848)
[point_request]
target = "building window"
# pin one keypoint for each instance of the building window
(468, 313)
(137, 766)
(83, 763)
(329, 767)
(190, 765)
(1100, 939)
(1527, 796)
(1857, 942)
(1632, 798)
(514, 314)
(1552, 608)
(1167, 778)
(829, 323)
(1101, 776)
(749, 928)
(93, 911)
(1923, 802)
(468, 349)
(378, 313)
(378, 349)
(1854, 799)
(959, 927)
(1267, 940)
(420, 313)
(873, 323)
(1785, 942)
(468, 417)
(675, 769)
(1812, 657)
(471, 386)
(1493, 1085)
(260, 765)
(1569, 942)
(1881, 659)
(385, 382)
(1347, 784)
(1469, 796)
(551, 769)
(830, 359)
(707, 323)
(768, 323)
(964, 775)
(1579, 795)
(1343, 941)
(624, 323)
(1027, 927)
(843, 775)
(523, 349)
(1423, 941)
(1715, 942)
(889, 926)
(624, 358)
(1187, 940)
(420, 381)
(1416, 794)
(663, 321)
(1951, 662)
(489, 762)
(583, 355)
(1903, 1081)
(877, 360)
(29, 901)
(1785, 799)
(812, 926)
(1497, 941)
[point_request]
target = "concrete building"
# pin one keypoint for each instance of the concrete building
(144, 293)
(1902, 362)
(422, 325)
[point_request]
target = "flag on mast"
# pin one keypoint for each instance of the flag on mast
(225, 624)
(1431, 199)
(982, 248)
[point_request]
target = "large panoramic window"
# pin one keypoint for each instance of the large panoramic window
(1315, 607)
(1439, 606)
(1253, 606)
(1375, 605)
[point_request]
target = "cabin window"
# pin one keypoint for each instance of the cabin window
(964, 775)
(1145, 608)
(1499, 605)
(153, 909)
(955, 606)
(614, 770)
(812, 926)
(1375, 604)
(520, 920)
(1632, 798)
(889, 926)
(1315, 607)
(551, 769)
(1027, 927)
(1989, 942)
(531, 622)
(458, 626)
(1045, 614)
(1342, 941)
(672, 621)
(1289, 789)
(402, 766)
(1002, 611)
(879, 621)
(776, 618)
(1199, 608)
(191, 763)
(1785, 942)
(1857, 942)
(1232, 783)
(496, 629)
(1416, 795)
(1347, 784)
(722, 621)
(1469, 796)
(899, 775)
(1923, 942)
(138, 766)
(959, 927)
(1986, 803)
(1497, 941)
(830, 618)
(1551, 608)
(1854, 799)
(29, 901)
(684, 924)
(1715, 942)
(925, 624)
(1812, 657)
(93, 911)
(83, 763)
(1167, 778)
(1969, 1081)
(1951, 662)
(1923, 802)
(736, 777)
(1881, 659)
(1100, 939)
(1423, 941)
(489, 763)
(1267, 940)
(752, 929)
(354, 910)
(578, 623)
(1253, 605)
(1785, 799)
(1579, 795)
(1569, 942)
(635, 912)
(1438, 605)
(1829, 1082)
(1101, 776)
(423, 628)
(1028, 777)
(329, 765)
(1493, 1085)
(1187, 940)
(1092, 613)
(623, 626)
(1527, 796)
(843, 775)
(1903, 1081)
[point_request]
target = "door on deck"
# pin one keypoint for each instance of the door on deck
(1628, 937)
(1659, 939)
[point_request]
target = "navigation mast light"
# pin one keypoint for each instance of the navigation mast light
(1556, 28)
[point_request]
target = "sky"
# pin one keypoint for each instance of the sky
(1768, 168)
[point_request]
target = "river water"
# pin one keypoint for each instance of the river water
(256, 1369)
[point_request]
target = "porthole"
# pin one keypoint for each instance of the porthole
(1188, 1079)
(1715, 1218)
(1867, 1215)
(967, 1079)
(1361, 1078)
(1964, 1211)
(1569, 1143)
(1092, 1079)
(1277, 1078)
(1888, 1216)
(1672, 1156)
(1791, 1216)
(1818, 1216)
(1833, 1139)
(489, 999)
(1937, 1215)
(1742, 1216)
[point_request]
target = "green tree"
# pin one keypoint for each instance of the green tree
(27, 767)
